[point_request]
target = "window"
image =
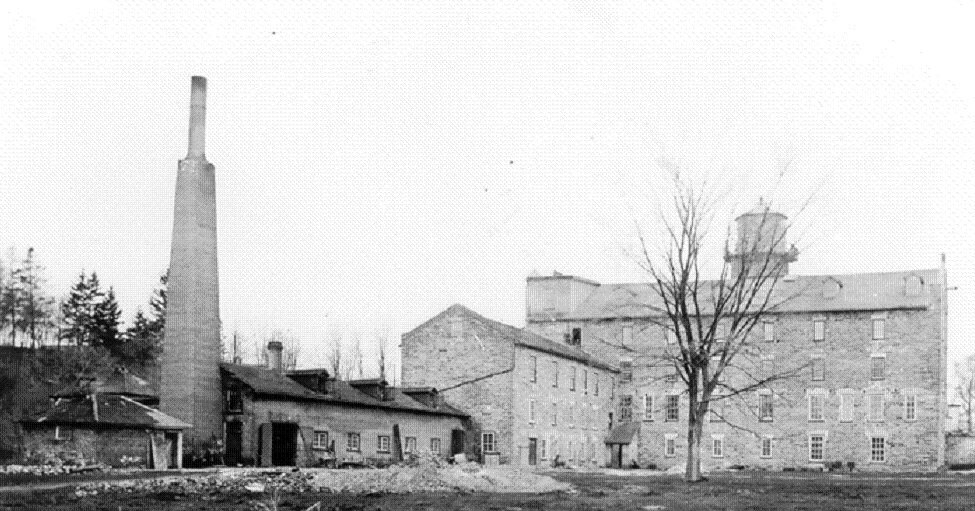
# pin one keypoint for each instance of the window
(570, 450)
(673, 408)
(626, 371)
(648, 407)
(671, 336)
(846, 407)
(410, 445)
(487, 442)
(910, 407)
(818, 366)
(555, 374)
(577, 336)
(531, 411)
(879, 325)
(626, 408)
(767, 447)
(819, 330)
(816, 402)
(765, 407)
(234, 402)
(572, 378)
(321, 440)
(595, 384)
(543, 449)
(585, 381)
(671, 377)
(627, 334)
(534, 366)
(768, 331)
(670, 446)
(382, 443)
(717, 447)
(612, 388)
(435, 445)
(878, 367)
(352, 442)
(816, 447)
(716, 409)
(555, 414)
(878, 452)
(571, 415)
(876, 410)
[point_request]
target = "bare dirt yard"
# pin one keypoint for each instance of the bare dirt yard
(497, 489)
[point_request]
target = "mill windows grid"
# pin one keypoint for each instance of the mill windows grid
(910, 407)
(626, 408)
(648, 408)
(816, 447)
(673, 409)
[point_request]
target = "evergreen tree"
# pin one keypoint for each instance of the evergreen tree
(77, 311)
(157, 305)
(107, 316)
(35, 307)
(141, 342)
(10, 298)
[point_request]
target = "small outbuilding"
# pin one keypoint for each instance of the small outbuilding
(113, 429)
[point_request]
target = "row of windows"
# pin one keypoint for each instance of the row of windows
(588, 419)
(878, 367)
(876, 406)
(581, 451)
(576, 379)
(877, 331)
(353, 443)
(816, 447)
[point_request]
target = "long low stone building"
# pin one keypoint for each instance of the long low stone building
(308, 418)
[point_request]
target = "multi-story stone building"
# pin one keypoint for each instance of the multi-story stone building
(862, 359)
(531, 401)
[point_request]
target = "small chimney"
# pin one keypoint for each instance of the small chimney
(274, 349)
(198, 111)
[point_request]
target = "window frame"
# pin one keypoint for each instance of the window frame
(542, 448)
(485, 435)
(876, 449)
(384, 439)
(234, 401)
(626, 370)
(353, 446)
(765, 453)
(822, 447)
(847, 404)
(717, 446)
(406, 445)
(764, 406)
(555, 413)
(534, 376)
(874, 359)
(435, 445)
(910, 406)
(874, 331)
(585, 381)
(817, 365)
(819, 330)
(672, 410)
(627, 334)
(626, 408)
(572, 378)
(876, 399)
(648, 407)
(670, 446)
(768, 330)
(315, 444)
(531, 411)
(555, 374)
(821, 399)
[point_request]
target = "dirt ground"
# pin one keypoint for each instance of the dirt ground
(616, 491)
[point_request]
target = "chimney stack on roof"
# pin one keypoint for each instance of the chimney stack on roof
(274, 349)
(198, 114)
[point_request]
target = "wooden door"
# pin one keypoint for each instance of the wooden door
(234, 444)
(533, 451)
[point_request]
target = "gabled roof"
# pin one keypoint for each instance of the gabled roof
(267, 382)
(796, 293)
(105, 410)
(524, 338)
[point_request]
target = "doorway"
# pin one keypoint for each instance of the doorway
(234, 443)
(457, 442)
(616, 458)
(284, 444)
(172, 444)
(533, 451)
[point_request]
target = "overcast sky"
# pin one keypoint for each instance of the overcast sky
(377, 163)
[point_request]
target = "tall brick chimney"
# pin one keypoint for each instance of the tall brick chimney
(274, 351)
(190, 386)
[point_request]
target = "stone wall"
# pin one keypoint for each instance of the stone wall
(338, 421)
(914, 360)
(961, 450)
(108, 446)
(471, 364)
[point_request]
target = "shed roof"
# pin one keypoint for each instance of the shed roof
(623, 434)
(105, 410)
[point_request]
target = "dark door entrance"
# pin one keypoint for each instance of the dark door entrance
(234, 443)
(284, 444)
(456, 442)
(172, 442)
(533, 451)
(616, 451)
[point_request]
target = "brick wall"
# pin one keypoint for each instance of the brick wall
(106, 446)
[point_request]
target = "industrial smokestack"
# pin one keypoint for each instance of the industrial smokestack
(198, 117)
(274, 349)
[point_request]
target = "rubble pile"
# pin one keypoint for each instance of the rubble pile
(236, 482)
(50, 470)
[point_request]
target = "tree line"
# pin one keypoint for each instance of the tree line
(89, 315)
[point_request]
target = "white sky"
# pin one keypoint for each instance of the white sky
(379, 162)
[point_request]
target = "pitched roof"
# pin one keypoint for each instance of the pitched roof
(623, 434)
(797, 293)
(267, 382)
(121, 381)
(106, 410)
(524, 338)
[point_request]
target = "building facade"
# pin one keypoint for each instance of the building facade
(859, 360)
(531, 401)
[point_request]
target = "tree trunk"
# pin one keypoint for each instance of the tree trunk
(695, 427)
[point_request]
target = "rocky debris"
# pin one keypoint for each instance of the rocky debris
(53, 469)
(417, 476)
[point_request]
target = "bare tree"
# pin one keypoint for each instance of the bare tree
(710, 322)
(965, 390)
(335, 351)
(355, 357)
(382, 341)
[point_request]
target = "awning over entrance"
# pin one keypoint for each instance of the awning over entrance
(623, 434)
